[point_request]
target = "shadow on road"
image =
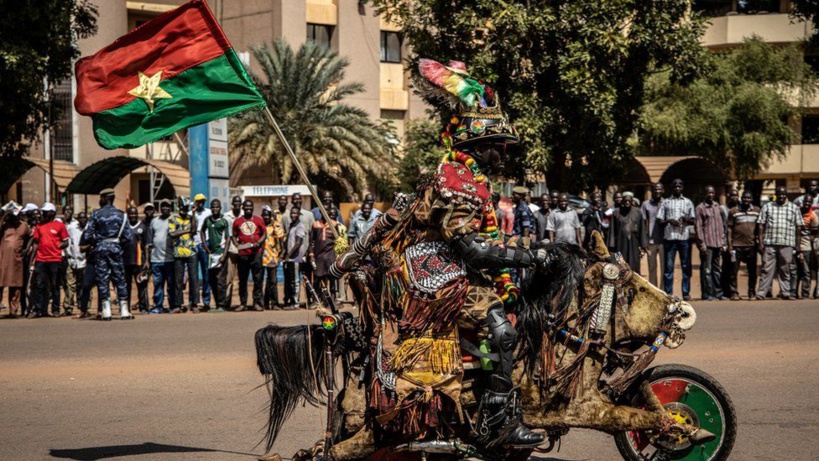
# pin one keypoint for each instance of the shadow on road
(113, 451)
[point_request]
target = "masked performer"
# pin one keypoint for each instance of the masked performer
(447, 266)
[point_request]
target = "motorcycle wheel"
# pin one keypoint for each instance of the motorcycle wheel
(693, 397)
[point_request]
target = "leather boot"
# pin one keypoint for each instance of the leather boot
(106, 309)
(499, 418)
(124, 311)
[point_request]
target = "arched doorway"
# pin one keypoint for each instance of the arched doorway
(695, 172)
(110, 171)
(13, 168)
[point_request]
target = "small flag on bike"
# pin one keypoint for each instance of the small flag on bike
(172, 72)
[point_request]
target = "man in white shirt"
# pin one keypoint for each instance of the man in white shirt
(375, 213)
(76, 262)
(200, 213)
(63, 274)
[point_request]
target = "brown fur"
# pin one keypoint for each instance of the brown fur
(353, 404)
(359, 446)
(590, 408)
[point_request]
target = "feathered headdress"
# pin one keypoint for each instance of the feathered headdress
(478, 115)
(452, 83)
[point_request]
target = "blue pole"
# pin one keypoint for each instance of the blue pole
(198, 161)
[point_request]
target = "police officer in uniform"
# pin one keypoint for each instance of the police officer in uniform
(107, 229)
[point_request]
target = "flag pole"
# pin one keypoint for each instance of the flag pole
(301, 171)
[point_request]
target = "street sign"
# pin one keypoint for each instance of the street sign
(218, 162)
(274, 190)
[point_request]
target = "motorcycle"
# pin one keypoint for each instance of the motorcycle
(588, 330)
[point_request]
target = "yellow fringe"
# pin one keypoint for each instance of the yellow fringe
(440, 354)
(341, 245)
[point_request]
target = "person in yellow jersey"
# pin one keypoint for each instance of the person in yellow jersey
(181, 229)
(271, 256)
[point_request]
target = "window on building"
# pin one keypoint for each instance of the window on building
(136, 19)
(390, 47)
(62, 136)
(713, 8)
(757, 6)
(813, 61)
(397, 118)
(320, 34)
(810, 129)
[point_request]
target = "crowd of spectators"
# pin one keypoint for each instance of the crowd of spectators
(48, 265)
(193, 255)
(782, 236)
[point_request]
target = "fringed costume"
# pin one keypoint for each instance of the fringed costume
(443, 267)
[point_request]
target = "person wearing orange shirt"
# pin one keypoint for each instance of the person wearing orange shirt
(805, 267)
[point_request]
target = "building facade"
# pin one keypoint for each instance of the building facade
(731, 22)
(376, 51)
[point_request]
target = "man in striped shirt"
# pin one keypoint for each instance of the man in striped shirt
(710, 228)
(742, 243)
(780, 223)
(676, 213)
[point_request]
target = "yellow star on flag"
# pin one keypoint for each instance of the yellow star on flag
(149, 89)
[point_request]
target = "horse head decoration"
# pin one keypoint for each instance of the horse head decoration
(580, 356)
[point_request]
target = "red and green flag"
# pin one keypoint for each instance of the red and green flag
(172, 72)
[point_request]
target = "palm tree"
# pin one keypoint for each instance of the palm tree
(341, 149)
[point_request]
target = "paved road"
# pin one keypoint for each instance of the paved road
(183, 387)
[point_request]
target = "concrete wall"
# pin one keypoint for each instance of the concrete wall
(733, 30)
(359, 40)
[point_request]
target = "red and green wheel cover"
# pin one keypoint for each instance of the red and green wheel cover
(707, 411)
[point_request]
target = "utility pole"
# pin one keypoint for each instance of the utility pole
(47, 144)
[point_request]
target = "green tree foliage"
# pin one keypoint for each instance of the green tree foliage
(735, 116)
(338, 145)
(38, 44)
(570, 73)
(422, 151)
(807, 10)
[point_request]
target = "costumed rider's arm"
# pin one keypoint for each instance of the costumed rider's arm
(458, 228)
(480, 254)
